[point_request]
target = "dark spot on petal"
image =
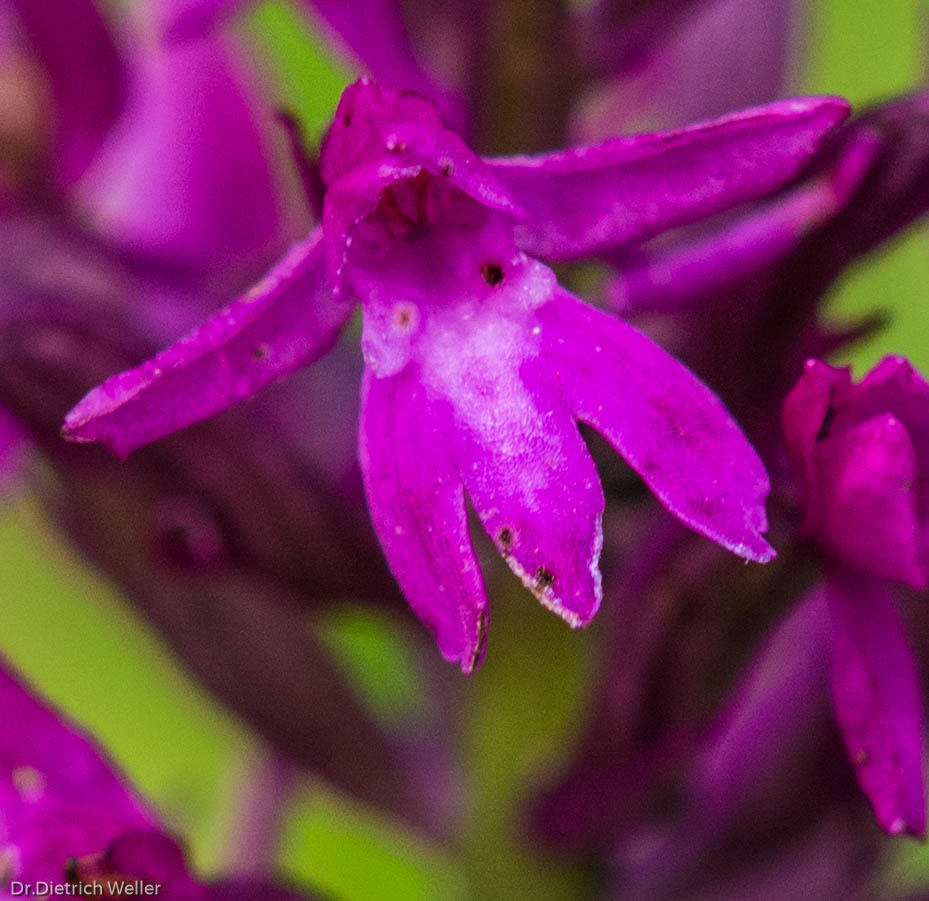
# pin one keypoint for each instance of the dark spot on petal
(826, 424)
(260, 352)
(492, 273)
(505, 537)
(72, 870)
(403, 317)
(446, 170)
(544, 578)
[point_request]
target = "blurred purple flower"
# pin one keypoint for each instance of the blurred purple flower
(478, 364)
(156, 145)
(861, 453)
(663, 64)
(86, 76)
(758, 279)
(763, 809)
(374, 33)
(227, 547)
(67, 817)
(756, 282)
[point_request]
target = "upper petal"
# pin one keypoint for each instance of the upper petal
(893, 386)
(877, 698)
(284, 322)
(416, 499)
(590, 199)
(666, 423)
(692, 270)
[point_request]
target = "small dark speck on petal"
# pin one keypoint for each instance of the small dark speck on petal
(544, 578)
(260, 352)
(492, 273)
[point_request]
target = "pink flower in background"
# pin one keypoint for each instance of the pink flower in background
(861, 453)
(67, 817)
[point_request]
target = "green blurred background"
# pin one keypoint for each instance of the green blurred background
(82, 646)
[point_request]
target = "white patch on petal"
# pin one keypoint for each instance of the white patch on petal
(29, 782)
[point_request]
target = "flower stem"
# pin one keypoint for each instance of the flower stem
(262, 793)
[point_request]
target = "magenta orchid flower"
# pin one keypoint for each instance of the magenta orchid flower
(861, 452)
(69, 821)
(479, 366)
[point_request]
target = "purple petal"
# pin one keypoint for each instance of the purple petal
(805, 410)
(864, 499)
(591, 199)
(616, 34)
(416, 498)
(773, 704)
(85, 74)
(858, 450)
(457, 308)
(690, 271)
(186, 173)
(896, 387)
(59, 796)
(532, 482)
(537, 492)
(286, 321)
(875, 690)
(153, 858)
(664, 422)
